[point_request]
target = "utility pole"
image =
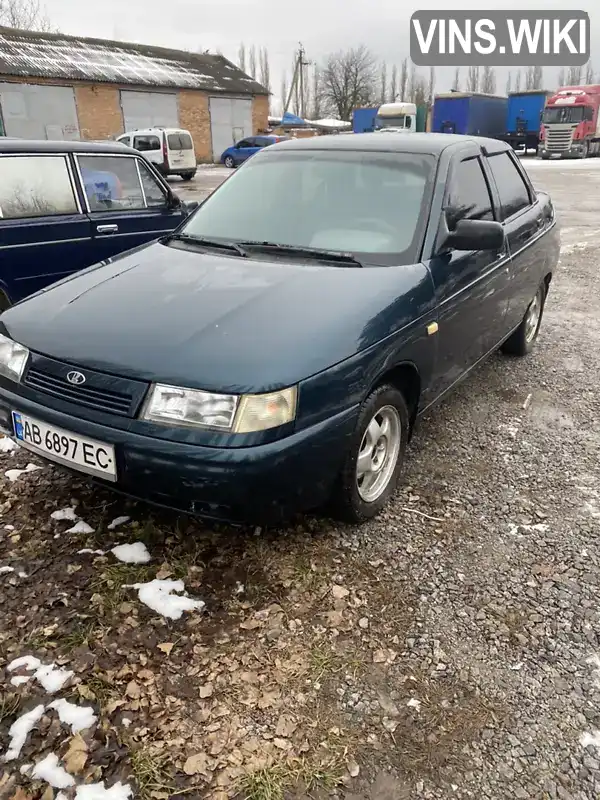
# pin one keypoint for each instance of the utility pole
(297, 84)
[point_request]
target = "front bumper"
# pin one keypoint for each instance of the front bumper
(261, 484)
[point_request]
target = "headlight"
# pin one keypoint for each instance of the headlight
(13, 357)
(239, 414)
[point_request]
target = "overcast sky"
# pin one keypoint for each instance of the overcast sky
(323, 26)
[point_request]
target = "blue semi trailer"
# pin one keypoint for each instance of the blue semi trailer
(470, 113)
(363, 120)
(524, 118)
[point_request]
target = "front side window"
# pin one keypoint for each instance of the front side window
(156, 196)
(146, 143)
(35, 186)
(469, 195)
(513, 191)
(364, 203)
(111, 183)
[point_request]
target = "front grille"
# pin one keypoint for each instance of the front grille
(558, 139)
(100, 399)
(100, 391)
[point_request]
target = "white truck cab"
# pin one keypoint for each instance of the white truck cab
(396, 118)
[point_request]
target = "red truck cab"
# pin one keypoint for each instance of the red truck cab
(571, 123)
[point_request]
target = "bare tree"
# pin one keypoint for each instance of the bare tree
(589, 72)
(265, 72)
(488, 80)
(252, 62)
(411, 86)
(456, 81)
(538, 77)
(383, 83)
(509, 83)
(562, 77)
(317, 94)
(418, 91)
(473, 79)
(394, 83)
(574, 76)
(24, 14)
(242, 57)
(431, 87)
(403, 79)
(284, 91)
(518, 81)
(349, 80)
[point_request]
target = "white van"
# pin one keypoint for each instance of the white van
(171, 150)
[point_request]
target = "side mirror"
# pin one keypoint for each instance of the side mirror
(174, 202)
(475, 234)
(191, 205)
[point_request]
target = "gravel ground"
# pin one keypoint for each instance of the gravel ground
(448, 649)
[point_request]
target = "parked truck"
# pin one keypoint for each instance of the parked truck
(470, 113)
(524, 117)
(397, 116)
(571, 123)
(363, 120)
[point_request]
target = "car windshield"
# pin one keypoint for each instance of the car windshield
(563, 114)
(373, 205)
(401, 121)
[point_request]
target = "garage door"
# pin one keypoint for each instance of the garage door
(38, 112)
(230, 121)
(149, 110)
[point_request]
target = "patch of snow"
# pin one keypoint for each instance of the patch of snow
(86, 550)
(13, 474)
(65, 514)
(116, 522)
(126, 722)
(6, 570)
(61, 796)
(19, 680)
(9, 527)
(414, 703)
(158, 595)
(135, 553)
(78, 717)
(51, 677)
(592, 739)
(81, 527)
(97, 791)
(49, 770)
(22, 575)
(20, 730)
(25, 769)
(7, 445)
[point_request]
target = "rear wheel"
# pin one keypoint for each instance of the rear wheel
(374, 461)
(187, 176)
(586, 149)
(521, 342)
(229, 162)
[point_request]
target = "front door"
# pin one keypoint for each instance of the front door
(127, 205)
(44, 235)
(247, 148)
(470, 286)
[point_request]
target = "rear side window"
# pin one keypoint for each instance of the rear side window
(145, 143)
(513, 191)
(35, 186)
(111, 183)
(469, 195)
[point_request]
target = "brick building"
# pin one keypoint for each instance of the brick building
(63, 87)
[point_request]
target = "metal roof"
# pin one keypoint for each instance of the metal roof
(30, 54)
(16, 146)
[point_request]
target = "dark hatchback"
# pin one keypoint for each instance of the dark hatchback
(67, 205)
(272, 356)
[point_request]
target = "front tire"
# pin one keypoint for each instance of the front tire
(229, 162)
(521, 342)
(375, 457)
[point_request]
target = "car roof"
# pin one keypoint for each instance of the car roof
(44, 146)
(427, 143)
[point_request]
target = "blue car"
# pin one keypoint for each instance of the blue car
(67, 205)
(273, 354)
(242, 150)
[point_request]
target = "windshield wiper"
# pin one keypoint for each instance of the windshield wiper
(203, 240)
(309, 252)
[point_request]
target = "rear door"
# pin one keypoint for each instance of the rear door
(524, 223)
(126, 203)
(44, 235)
(150, 146)
(470, 286)
(179, 146)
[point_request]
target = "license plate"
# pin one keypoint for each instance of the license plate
(87, 455)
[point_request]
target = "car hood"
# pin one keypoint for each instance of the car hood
(170, 314)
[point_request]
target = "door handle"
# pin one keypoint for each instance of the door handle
(107, 228)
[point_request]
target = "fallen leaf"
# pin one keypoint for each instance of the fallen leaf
(268, 699)
(21, 794)
(48, 794)
(282, 744)
(113, 706)
(380, 657)
(76, 756)
(339, 592)
(250, 624)
(85, 692)
(196, 765)
(285, 726)
(166, 647)
(146, 675)
(206, 690)
(353, 769)
(163, 573)
(73, 568)
(133, 690)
